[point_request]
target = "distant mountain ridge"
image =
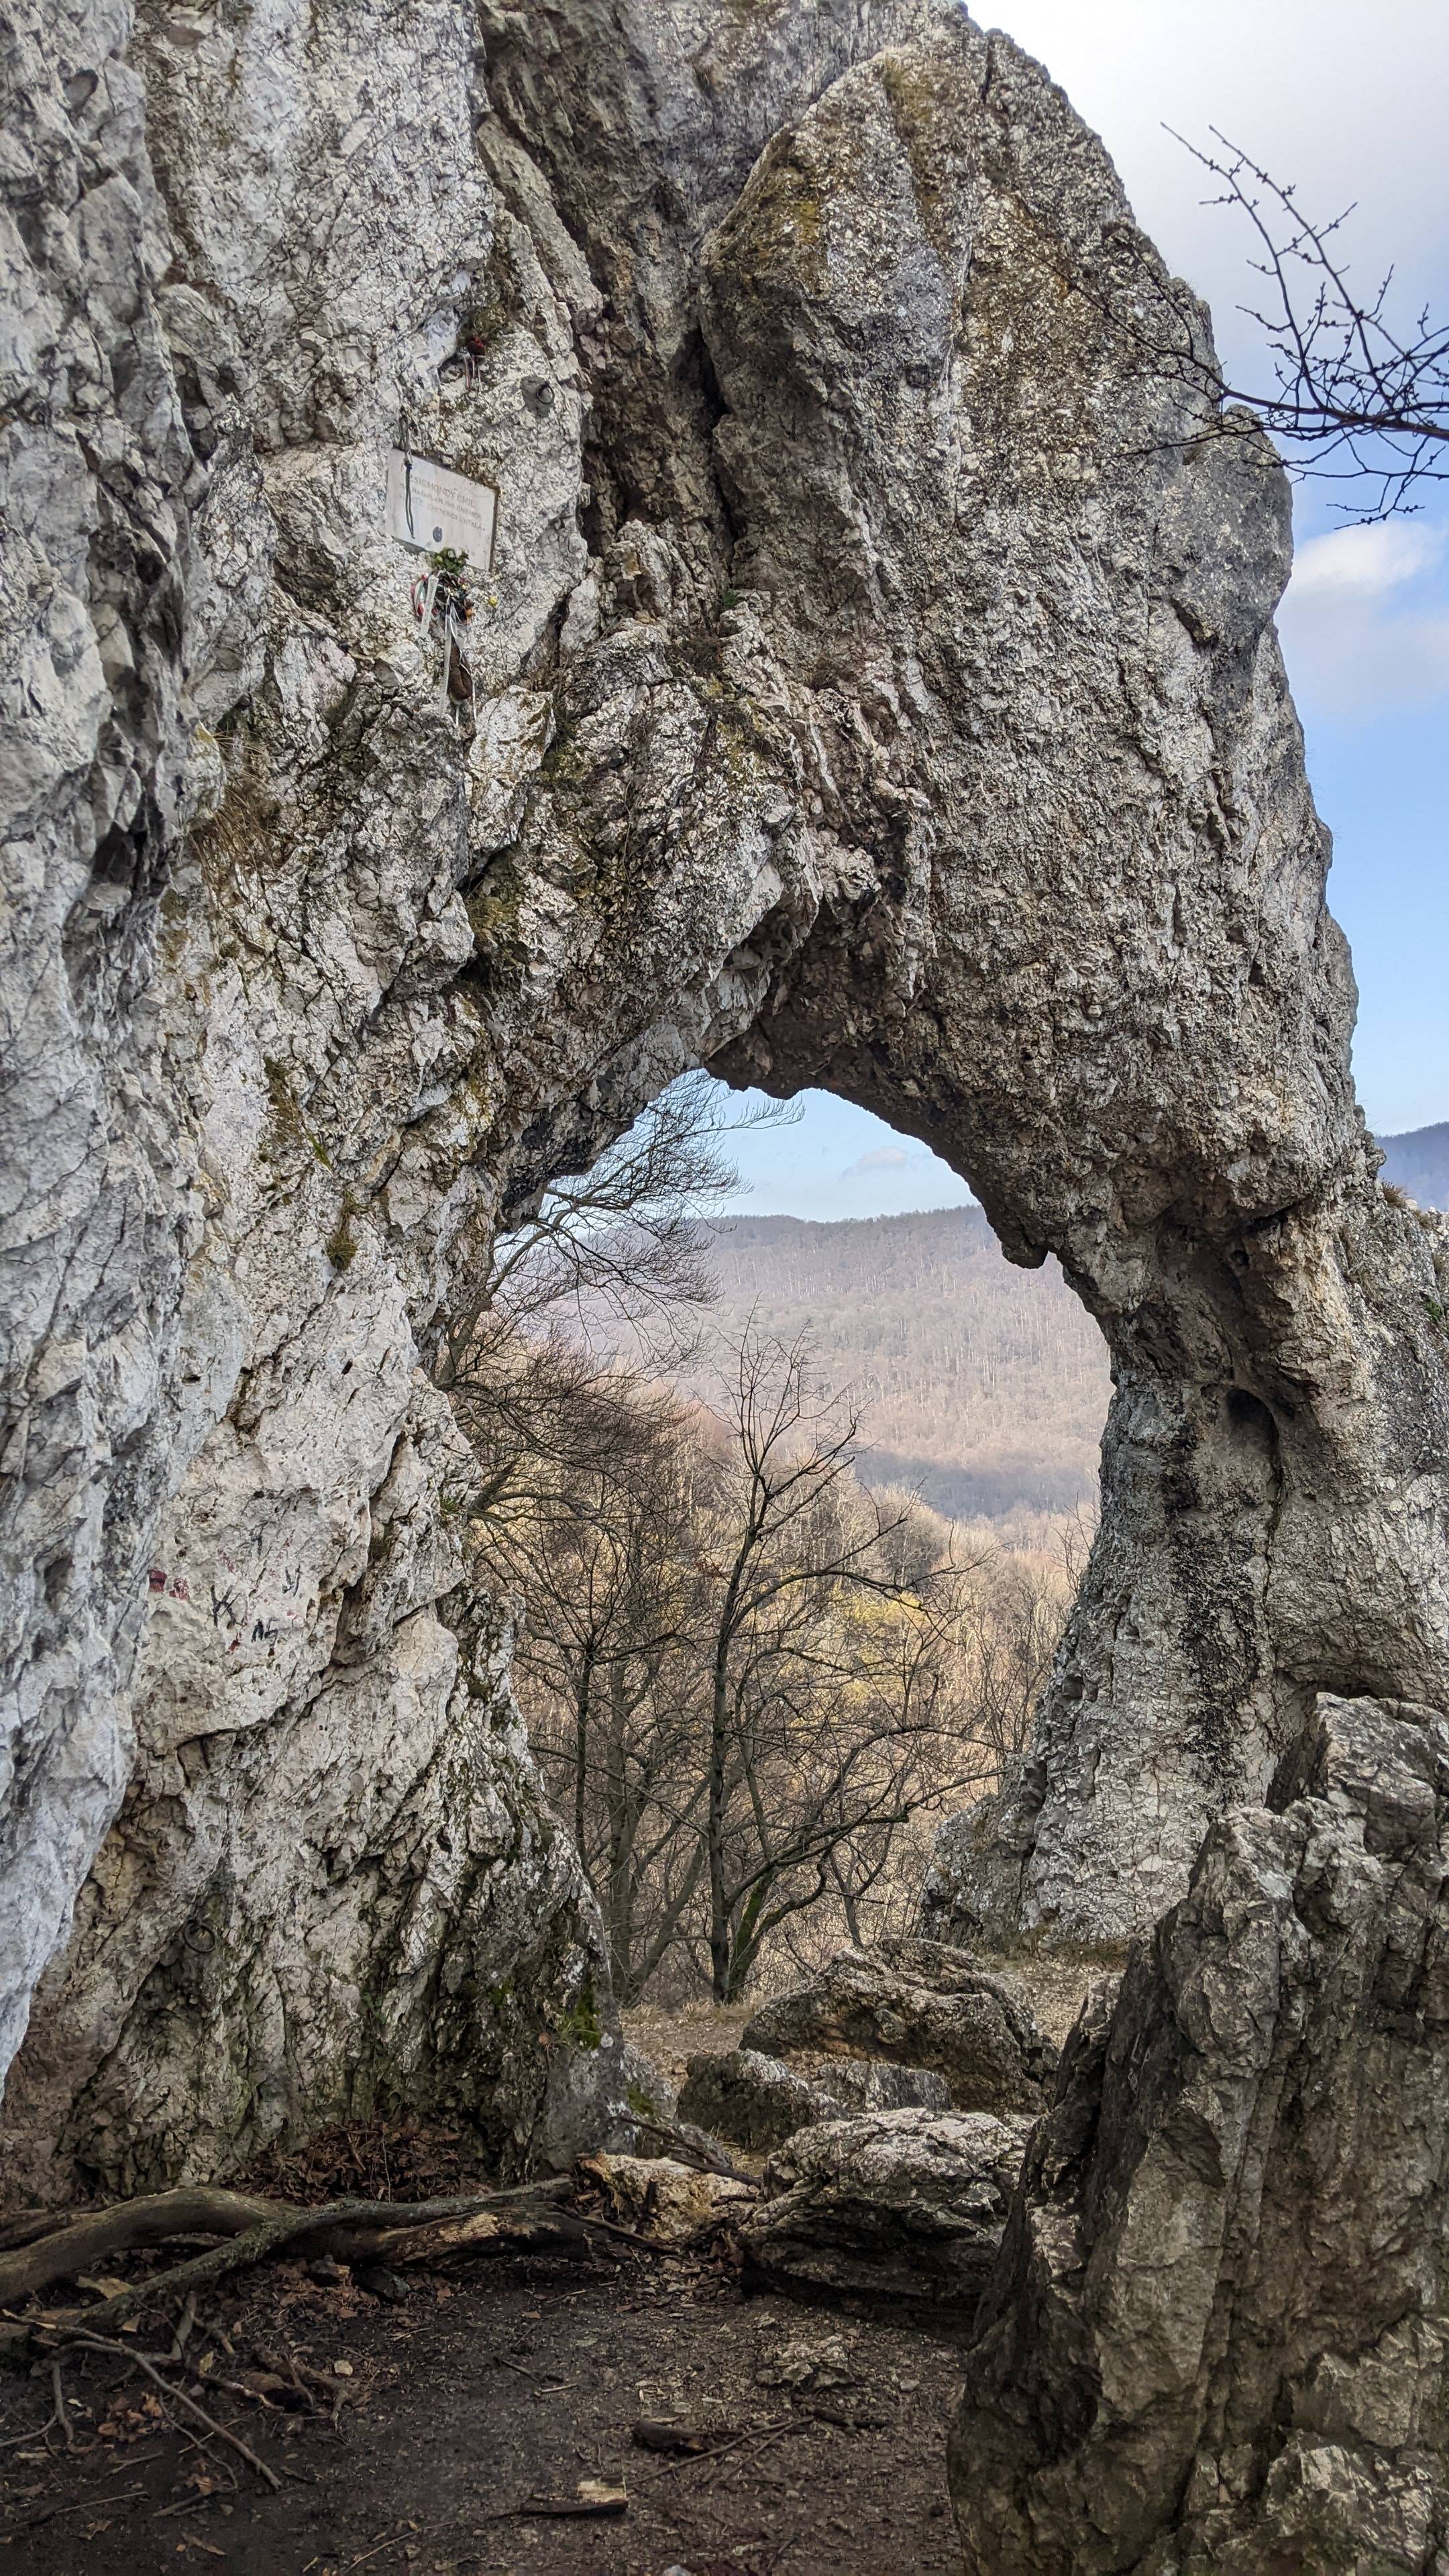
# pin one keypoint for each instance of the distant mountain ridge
(983, 1384)
(1419, 1163)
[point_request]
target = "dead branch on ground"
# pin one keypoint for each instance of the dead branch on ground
(252, 2229)
(139, 2361)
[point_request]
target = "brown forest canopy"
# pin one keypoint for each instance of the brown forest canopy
(983, 1385)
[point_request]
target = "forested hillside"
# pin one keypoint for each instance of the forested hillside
(1419, 1163)
(984, 1384)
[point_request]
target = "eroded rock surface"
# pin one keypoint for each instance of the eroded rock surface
(891, 2205)
(1216, 2337)
(749, 2098)
(758, 2101)
(875, 687)
(919, 2004)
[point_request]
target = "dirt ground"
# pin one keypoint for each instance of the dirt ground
(671, 2038)
(483, 2390)
(443, 2420)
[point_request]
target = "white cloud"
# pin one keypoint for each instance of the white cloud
(884, 1158)
(1365, 563)
(1355, 644)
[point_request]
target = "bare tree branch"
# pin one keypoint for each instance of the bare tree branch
(1355, 397)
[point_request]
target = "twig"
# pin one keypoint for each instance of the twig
(138, 2361)
(59, 2416)
(202, 2442)
(762, 2434)
(551, 2386)
(570, 2508)
(185, 2504)
(285, 2366)
(78, 2504)
(62, 2411)
(184, 2324)
(630, 2236)
(708, 2159)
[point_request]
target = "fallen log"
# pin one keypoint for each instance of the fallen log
(28, 2224)
(255, 2227)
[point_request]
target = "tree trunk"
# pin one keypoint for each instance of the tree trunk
(581, 1757)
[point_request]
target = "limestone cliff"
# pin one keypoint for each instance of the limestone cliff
(876, 687)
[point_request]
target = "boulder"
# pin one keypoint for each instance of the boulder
(674, 2203)
(759, 2101)
(754, 2100)
(918, 2004)
(653, 2103)
(901, 2206)
(648, 2092)
(1215, 2343)
(875, 2084)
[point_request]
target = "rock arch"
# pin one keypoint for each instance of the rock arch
(877, 689)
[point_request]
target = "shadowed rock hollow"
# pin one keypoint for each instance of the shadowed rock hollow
(876, 688)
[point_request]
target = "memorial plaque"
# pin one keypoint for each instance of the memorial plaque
(429, 506)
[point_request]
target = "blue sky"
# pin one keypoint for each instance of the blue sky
(1349, 109)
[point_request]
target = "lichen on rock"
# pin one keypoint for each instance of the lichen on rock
(922, 2005)
(903, 2207)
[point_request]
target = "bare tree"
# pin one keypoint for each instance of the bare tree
(737, 1679)
(1365, 400)
(997, 1620)
(1007, 1630)
(828, 1713)
(607, 1665)
(1355, 396)
(622, 1241)
(745, 1677)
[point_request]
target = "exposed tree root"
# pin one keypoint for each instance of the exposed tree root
(24, 2228)
(80, 2244)
(254, 2228)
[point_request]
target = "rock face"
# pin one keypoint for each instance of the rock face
(1215, 2340)
(648, 2093)
(875, 687)
(905, 2206)
(922, 2005)
(863, 2084)
(756, 2101)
